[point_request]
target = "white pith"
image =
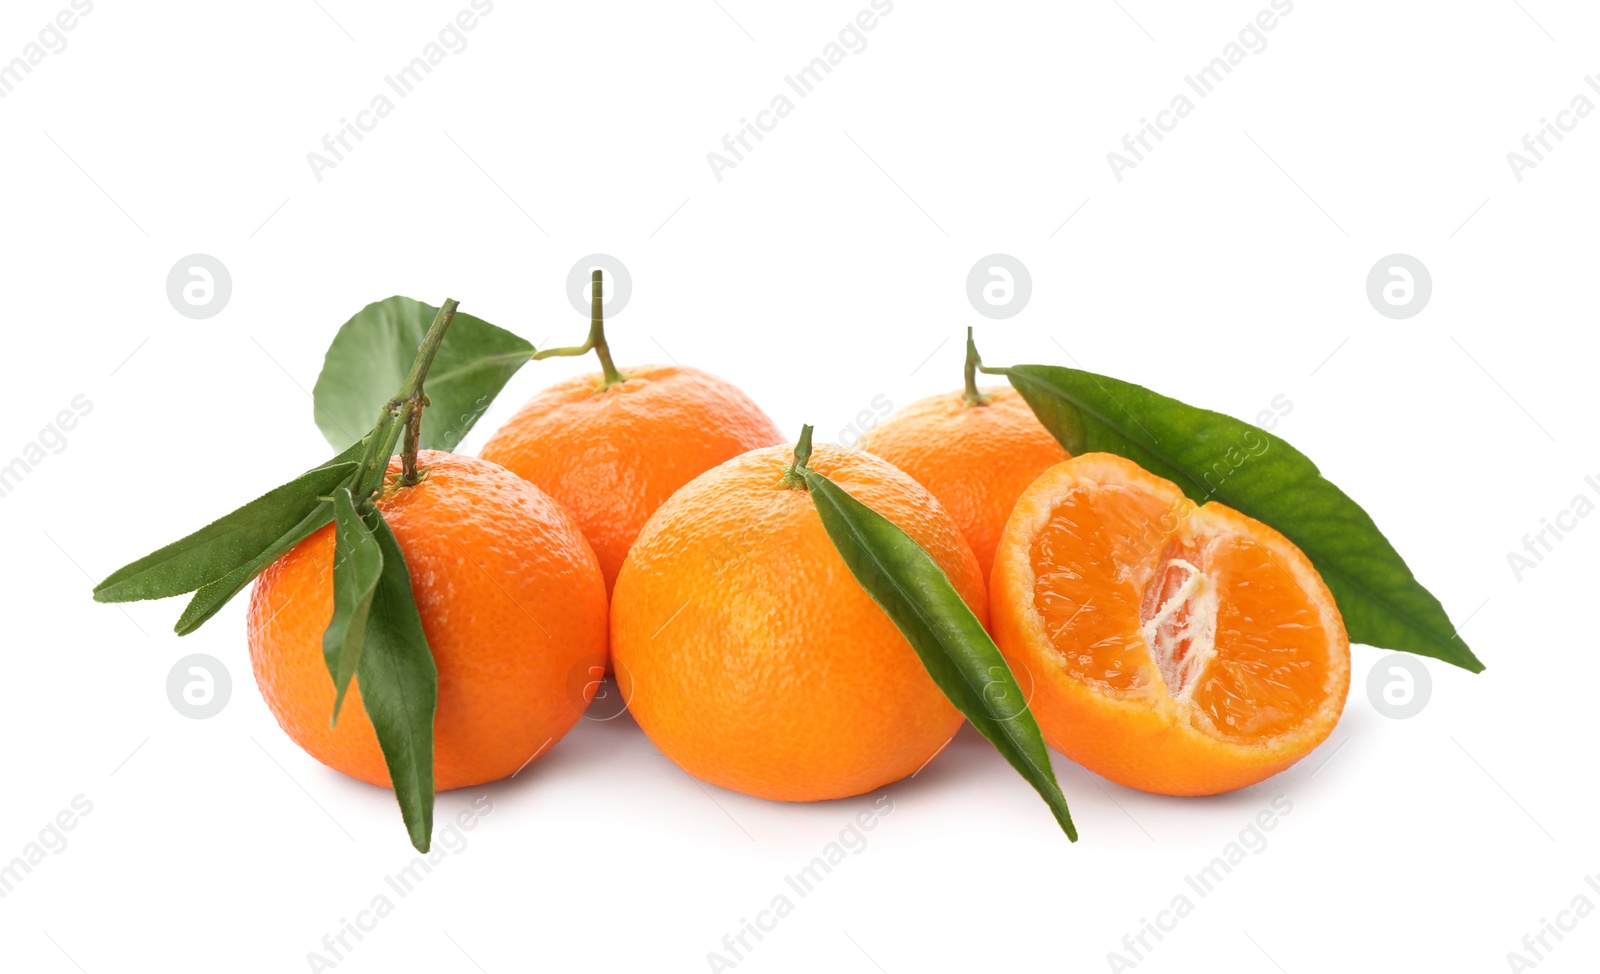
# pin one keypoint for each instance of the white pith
(1164, 632)
(1170, 687)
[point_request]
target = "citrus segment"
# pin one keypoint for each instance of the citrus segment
(1175, 648)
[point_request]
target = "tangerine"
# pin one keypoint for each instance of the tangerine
(1176, 649)
(612, 452)
(749, 653)
(976, 455)
(512, 603)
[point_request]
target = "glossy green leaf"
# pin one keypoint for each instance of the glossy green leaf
(210, 598)
(400, 687)
(373, 351)
(357, 566)
(1211, 456)
(964, 662)
(226, 544)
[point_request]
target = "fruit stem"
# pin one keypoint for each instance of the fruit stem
(597, 333)
(403, 413)
(408, 450)
(975, 363)
(596, 342)
(794, 477)
(970, 371)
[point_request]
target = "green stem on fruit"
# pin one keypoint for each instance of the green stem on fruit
(402, 415)
(596, 341)
(794, 474)
(408, 451)
(597, 333)
(972, 397)
(975, 364)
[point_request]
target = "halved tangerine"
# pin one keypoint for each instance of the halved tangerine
(1174, 648)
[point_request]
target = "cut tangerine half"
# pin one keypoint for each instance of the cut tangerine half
(1174, 648)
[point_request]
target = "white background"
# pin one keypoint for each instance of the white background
(826, 269)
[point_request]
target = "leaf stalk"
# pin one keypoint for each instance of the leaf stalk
(972, 397)
(596, 342)
(402, 415)
(794, 475)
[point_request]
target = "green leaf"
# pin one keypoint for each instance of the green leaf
(357, 566)
(1211, 456)
(210, 598)
(373, 352)
(965, 663)
(400, 687)
(224, 545)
